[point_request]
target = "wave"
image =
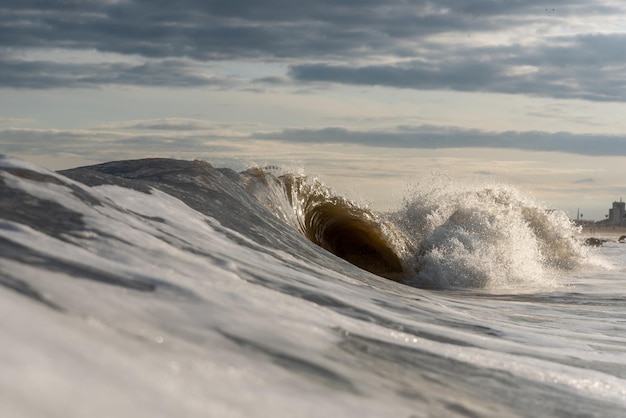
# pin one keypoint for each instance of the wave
(446, 234)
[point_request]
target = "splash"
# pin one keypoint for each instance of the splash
(475, 236)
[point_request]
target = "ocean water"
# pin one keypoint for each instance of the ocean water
(160, 288)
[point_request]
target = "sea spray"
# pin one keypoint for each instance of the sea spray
(477, 236)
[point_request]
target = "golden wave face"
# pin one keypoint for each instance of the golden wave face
(348, 234)
(342, 228)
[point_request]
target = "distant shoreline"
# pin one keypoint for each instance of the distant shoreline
(603, 231)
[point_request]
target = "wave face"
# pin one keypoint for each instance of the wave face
(342, 227)
(159, 288)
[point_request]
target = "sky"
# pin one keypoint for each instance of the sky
(374, 97)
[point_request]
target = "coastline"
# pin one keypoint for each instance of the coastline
(603, 231)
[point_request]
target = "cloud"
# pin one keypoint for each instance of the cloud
(280, 28)
(172, 134)
(46, 74)
(14, 121)
(171, 124)
(53, 141)
(434, 137)
(584, 67)
(561, 49)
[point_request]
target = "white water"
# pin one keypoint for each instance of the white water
(487, 237)
(231, 327)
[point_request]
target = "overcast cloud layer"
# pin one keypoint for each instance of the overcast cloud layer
(560, 49)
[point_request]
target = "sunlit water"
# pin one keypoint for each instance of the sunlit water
(163, 288)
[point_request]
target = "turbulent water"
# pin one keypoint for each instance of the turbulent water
(161, 288)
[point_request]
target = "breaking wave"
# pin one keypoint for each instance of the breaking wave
(446, 235)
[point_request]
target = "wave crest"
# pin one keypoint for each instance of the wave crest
(447, 235)
(472, 236)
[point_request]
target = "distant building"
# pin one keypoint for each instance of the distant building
(617, 214)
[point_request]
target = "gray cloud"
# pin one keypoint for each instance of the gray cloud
(261, 28)
(44, 74)
(433, 137)
(171, 124)
(338, 41)
(584, 67)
